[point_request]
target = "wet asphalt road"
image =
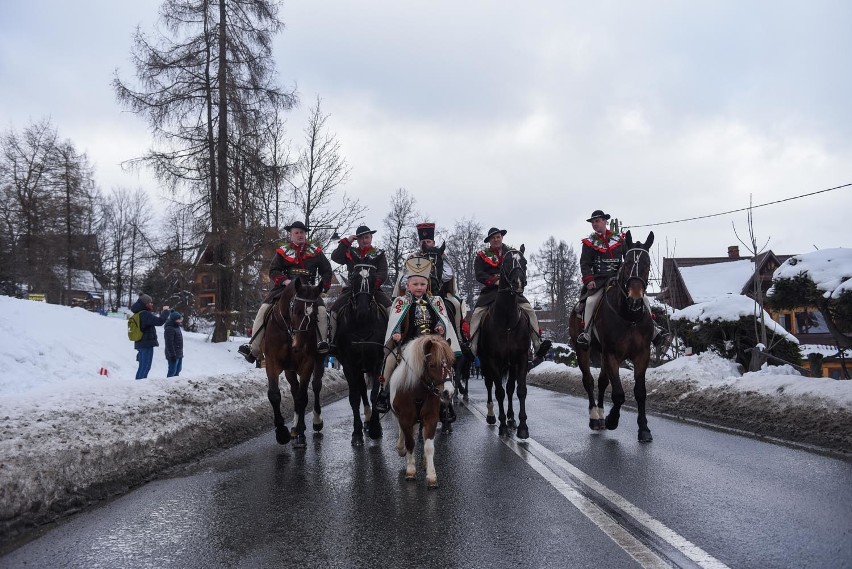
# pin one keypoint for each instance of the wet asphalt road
(567, 498)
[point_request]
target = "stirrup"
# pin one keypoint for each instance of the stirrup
(322, 348)
(382, 404)
(543, 349)
(583, 340)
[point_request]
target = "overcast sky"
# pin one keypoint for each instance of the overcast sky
(524, 115)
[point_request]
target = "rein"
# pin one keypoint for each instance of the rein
(305, 323)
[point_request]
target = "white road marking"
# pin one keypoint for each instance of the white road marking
(634, 547)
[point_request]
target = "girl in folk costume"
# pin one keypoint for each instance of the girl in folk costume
(414, 313)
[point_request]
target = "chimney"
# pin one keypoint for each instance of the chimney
(734, 252)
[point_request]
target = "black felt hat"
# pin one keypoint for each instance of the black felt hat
(598, 213)
(492, 231)
(363, 230)
(296, 225)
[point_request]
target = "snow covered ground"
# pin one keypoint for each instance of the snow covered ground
(71, 436)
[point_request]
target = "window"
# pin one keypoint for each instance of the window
(810, 322)
(785, 320)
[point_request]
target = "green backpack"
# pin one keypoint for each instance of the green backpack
(134, 327)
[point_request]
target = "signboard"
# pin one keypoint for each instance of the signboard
(37, 297)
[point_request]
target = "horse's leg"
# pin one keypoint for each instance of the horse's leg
(299, 389)
(355, 404)
(374, 423)
(523, 431)
(430, 424)
(503, 430)
(282, 433)
(410, 466)
(510, 393)
(583, 362)
(316, 383)
(610, 364)
(603, 383)
(488, 378)
(640, 365)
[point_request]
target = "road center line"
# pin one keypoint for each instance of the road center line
(543, 460)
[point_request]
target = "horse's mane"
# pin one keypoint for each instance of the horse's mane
(411, 368)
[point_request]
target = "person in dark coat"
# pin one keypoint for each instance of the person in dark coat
(486, 267)
(148, 321)
(353, 250)
(173, 335)
(296, 257)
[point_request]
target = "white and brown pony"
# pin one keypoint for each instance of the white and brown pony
(421, 382)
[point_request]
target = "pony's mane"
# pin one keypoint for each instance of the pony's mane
(410, 369)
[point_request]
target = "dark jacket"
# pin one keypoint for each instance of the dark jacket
(173, 335)
(486, 268)
(601, 257)
(147, 323)
(291, 261)
(346, 254)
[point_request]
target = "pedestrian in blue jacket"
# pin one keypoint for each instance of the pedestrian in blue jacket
(147, 323)
(173, 335)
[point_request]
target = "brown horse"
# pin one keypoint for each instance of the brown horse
(622, 330)
(290, 345)
(504, 344)
(421, 382)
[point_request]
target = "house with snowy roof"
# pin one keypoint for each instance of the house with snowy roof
(686, 281)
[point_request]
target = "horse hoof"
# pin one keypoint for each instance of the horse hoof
(301, 442)
(357, 439)
(446, 428)
(600, 425)
(491, 419)
(375, 431)
(282, 435)
(410, 476)
(645, 436)
(523, 433)
(465, 399)
(510, 423)
(611, 422)
(318, 426)
(503, 431)
(431, 484)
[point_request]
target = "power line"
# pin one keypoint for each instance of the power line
(737, 210)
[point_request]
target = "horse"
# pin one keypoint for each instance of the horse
(290, 345)
(504, 344)
(361, 326)
(418, 386)
(623, 329)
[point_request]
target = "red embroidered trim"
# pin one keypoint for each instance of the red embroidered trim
(488, 259)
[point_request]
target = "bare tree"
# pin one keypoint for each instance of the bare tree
(126, 216)
(399, 236)
(462, 245)
(320, 172)
(210, 78)
(559, 269)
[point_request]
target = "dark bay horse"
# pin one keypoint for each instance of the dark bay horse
(418, 386)
(361, 326)
(504, 344)
(622, 330)
(290, 345)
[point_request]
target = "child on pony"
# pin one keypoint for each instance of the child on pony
(414, 313)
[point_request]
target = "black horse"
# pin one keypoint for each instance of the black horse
(361, 326)
(290, 345)
(504, 344)
(623, 329)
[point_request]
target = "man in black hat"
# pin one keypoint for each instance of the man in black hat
(486, 267)
(353, 250)
(602, 255)
(296, 257)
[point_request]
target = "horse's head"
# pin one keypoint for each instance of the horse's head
(438, 368)
(302, 312)
(362, 280)
(633, 274)
(436, 256)
(513, 271)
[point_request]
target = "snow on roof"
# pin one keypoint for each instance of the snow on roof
(829, 269)
(730, 308)
(705, 282)
(821, 349)
(80, 280)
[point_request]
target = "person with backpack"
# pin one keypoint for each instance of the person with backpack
(143, 314)
(173, 335)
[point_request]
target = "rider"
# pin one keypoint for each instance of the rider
(602, 255)
(296, 257)
(426, 237)
(486, 266)
(350, 254)
(414, 313)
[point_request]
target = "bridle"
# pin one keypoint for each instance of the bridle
(446, 375)
(515, 257)
(363, 270)
(624, 277)
(305, 322)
